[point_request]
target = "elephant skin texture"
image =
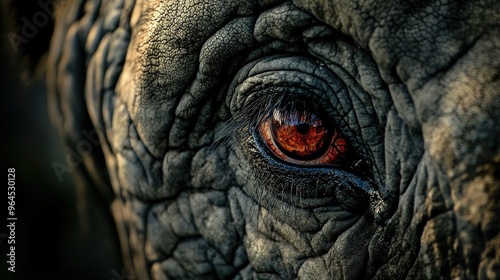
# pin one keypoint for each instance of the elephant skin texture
(190, 104)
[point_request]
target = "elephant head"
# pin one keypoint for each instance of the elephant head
(287, 139)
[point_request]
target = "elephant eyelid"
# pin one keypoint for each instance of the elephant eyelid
(255, 116)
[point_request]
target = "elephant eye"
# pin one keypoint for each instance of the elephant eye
(297, 132)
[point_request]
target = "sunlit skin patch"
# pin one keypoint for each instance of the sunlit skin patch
(298, 136)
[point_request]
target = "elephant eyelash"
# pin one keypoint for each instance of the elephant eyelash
(243, 120)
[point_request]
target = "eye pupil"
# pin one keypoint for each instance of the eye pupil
(300, 135)
(303, 128)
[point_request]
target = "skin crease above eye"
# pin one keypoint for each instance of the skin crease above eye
(173, 89)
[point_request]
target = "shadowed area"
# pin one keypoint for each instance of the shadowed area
(51, 241)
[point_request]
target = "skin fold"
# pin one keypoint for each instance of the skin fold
(172, 91)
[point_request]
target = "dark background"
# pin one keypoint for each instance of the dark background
(51, 242)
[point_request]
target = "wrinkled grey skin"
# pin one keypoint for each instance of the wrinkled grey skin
(167, 86)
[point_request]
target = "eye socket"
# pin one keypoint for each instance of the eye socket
(297, 132)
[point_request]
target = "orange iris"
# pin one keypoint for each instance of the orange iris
(302, 137)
